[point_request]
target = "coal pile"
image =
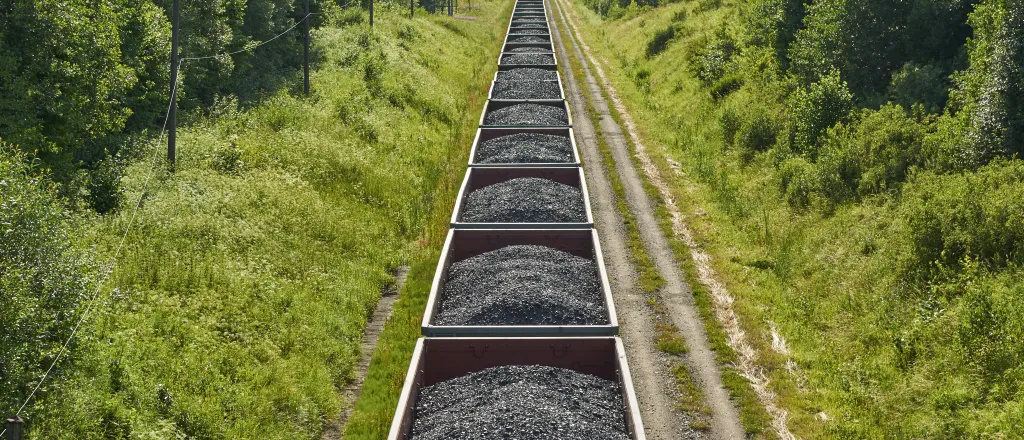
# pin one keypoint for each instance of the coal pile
(528, 39)
(529, 20)
(521, 402)
(529, 31)
(527, 58)
(527, 114)
(530, 49)
(527, 74)
(526, 90)
(525, 200)
(522, 285)
(529, 26)
(525, 148)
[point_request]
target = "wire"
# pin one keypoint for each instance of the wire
(135, 212)
(246, 49)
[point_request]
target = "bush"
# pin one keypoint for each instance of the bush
(43, 280)
(973, 216)
(773, 24)
(730, 122)
(757, 134)
(659, 41)
(797, 181)
(925, 85)
(815, 109)
(711, 57)
(726, 85)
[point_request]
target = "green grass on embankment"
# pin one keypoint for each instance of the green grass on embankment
(237, 305)
(899, 298)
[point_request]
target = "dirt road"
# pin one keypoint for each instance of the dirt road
(655, 387)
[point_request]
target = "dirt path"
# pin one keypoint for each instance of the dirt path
(350, 394)
(676, 295)
(651, 376)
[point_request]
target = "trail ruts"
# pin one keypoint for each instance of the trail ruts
(656, 388)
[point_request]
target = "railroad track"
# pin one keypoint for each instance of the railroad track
(521, 287)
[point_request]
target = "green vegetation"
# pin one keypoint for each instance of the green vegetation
(856, 172)
(237, 304)
(375, 408)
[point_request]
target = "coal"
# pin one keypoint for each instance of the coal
(527, 90)
(527, 114)
(529, 20)
(527, 39)
(525, 200)
(522, 285)
(527, 58)
(525, 148)
(530, 49)
(530, 31)
(532, 402)
(527, 74)
(529, 26)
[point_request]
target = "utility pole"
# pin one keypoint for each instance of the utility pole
(449, 8)
(412, 8)
(371, 13)
(172, 114)
(13, 428)
(305, 53)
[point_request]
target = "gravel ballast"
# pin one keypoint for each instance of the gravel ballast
(527, 58)
(528, 39)
(527, 114)
(522, 285)
(527, 74)
(525, 200)
(525, 148)
(523, 402)
(526, 90)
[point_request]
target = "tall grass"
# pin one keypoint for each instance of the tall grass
(238, 303)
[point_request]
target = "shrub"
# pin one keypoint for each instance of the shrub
(43, 280)
(925, 85)
(730, 122)
(817, 108)
(712, 56)
(797, 182)
(757, 133)
(972, 216)
(726, 85)
(659, 41)
(773, 24)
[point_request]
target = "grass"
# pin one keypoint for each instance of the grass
(238, 303)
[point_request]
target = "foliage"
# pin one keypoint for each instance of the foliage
(989, 97)
(67, 70)
(773, 24)
(711, 58)
(44, 278)
(237, 305)
(81, 79)
(976, 217)
(757, 134)
(817, 108)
